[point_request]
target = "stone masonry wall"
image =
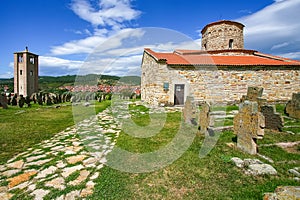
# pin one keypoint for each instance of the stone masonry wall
(222, 85)
(217, 37)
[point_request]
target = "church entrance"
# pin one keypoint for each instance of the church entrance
(179, 94)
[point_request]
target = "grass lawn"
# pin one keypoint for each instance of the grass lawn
(189, 177)
(23, 127)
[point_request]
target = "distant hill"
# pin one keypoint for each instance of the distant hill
(132, 80)
(51, 82)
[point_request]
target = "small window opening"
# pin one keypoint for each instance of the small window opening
(31, 60)
(20, 58)
(21, 72)
(205, 46)
(166, 86)
(230, 43)
(31, 73)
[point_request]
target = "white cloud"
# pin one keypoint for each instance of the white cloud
(46, 61)
(109, 13)
(274, 29)
(291, 55)
(88, 45)
(83, 46)
(278, 46)
(8, 74)
(120, 66)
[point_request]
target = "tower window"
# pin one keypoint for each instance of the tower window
(205, 46)
(21, 72)
(31, 73)
(31, 60)
(20, 58)
(230, 44)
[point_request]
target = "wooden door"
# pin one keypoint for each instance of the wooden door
(179, 94)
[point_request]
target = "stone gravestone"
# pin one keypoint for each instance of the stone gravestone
(255, 94)
(205, 119)
(273, 120)
(248, 125)
(14, 101)
(293, 106)
(189, 111)
(40, 99)
(21, 101)
(3, 101)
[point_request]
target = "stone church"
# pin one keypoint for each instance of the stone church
(221, 72)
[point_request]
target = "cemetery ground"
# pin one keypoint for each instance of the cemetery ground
(213, 177)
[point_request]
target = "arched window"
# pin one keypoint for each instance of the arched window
(230, 44)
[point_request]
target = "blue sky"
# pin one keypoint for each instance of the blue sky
(67, 33)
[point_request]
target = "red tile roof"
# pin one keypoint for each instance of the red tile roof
(240, 58)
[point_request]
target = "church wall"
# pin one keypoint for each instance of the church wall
(221, 85)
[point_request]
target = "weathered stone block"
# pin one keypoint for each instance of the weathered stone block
(3, 101)
(273, 120)
(205, 118)
(248, 125)
(293, 106)
(284, 192)
(189, 111)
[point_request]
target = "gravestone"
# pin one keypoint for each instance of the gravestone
(248, 125)
(48, 100)
(21, 101)
(293, 106)
(3, 101)
(9, 99)
(189, 111)
(14, 100)
(205, 119)
(253, 93)
(40, 99)
(273, 120)
(27, 101)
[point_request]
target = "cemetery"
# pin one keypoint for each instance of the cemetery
(73, 161)
(241, 143)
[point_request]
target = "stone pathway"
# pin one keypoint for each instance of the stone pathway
(64, 167)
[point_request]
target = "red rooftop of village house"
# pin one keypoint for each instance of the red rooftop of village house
(241, 57)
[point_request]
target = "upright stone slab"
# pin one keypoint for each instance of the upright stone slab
(253, 94)
(3, 101)
(205, 119)
(273, 120)
(189, 111)
(293, 106)
(248, 125)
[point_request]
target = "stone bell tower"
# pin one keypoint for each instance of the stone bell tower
(26, 73)
(223, 35)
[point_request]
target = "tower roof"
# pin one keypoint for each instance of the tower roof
(26, 51)
(223, 22)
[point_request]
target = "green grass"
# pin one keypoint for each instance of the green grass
(21, 128)
(227, 108)
(191, 177)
